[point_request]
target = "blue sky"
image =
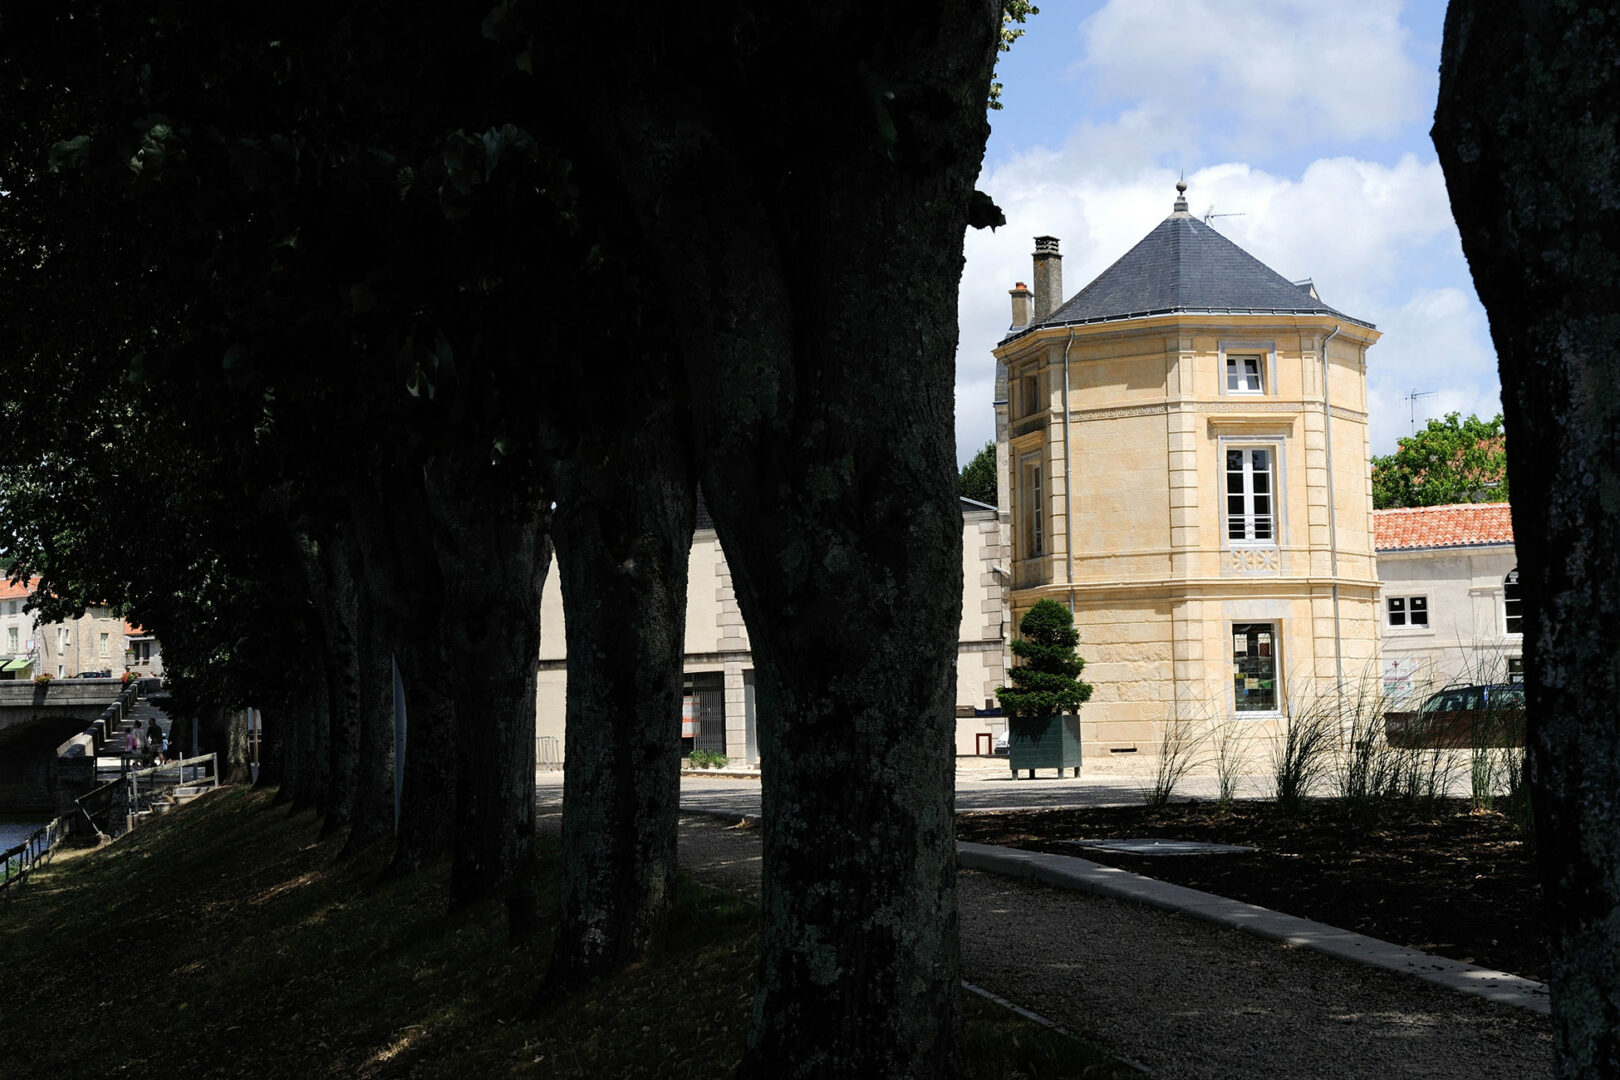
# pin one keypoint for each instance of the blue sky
(1309, 118)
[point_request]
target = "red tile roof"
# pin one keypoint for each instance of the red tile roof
(1459, 525)
(21, 590)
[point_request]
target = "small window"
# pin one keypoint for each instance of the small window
(1408, 611)
(1244, 375)
(1254, 667)
(1512, 603)
(1515, 669)
(1031, 394)
(1251, 513)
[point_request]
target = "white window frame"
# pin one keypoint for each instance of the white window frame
(1273, 446)
(1264, 351)
(105, 641)
(64, 637)
(1032, 506)
(1401, 612)
(1512, 606)
(1260, 626)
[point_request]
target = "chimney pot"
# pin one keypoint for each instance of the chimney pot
(1020, 305)
(1048, 276)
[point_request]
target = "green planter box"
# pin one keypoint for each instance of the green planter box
(1043, 742)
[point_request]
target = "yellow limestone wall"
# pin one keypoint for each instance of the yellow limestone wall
(1156, 587)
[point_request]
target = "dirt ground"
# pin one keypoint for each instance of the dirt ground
(1455, 882)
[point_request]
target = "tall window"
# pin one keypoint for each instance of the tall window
(1032, 507)
(62, 637)
(1254, 667)
(1512, 604)
(1251, 510)
(104, 644)
(11, 639)
(1244, 375)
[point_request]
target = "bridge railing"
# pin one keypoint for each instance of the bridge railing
(18, 862)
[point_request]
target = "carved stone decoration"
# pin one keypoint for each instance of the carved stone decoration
(1247, 560)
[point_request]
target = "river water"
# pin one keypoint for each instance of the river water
(15, 828)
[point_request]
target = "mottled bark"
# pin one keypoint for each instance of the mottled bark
(805, 195)
(623, 527)
(401, 578)
(308, 728)
(493, 553)
(329, 574)
(1528, 133)
(373, 816)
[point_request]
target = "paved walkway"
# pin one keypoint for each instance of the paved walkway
(1183, 993)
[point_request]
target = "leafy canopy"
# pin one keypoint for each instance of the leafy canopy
(1048, 680)
(1449, 461)
(978, 477)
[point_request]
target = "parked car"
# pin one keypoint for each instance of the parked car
(1461, 717)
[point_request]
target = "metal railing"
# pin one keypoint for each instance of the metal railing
(549, 753)
(186, 772)
(18, 862)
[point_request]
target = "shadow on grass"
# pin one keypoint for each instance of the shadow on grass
(229, 940)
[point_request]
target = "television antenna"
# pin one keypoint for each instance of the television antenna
(1210, 213)
(1411, 398)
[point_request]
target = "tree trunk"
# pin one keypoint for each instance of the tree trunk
(809, 234)
(402, 581)
(625, 509)
(374, 776)
(1526, 132)
(492, 561)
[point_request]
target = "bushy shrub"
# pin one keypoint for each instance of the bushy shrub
(708, 759)
(1048, 681)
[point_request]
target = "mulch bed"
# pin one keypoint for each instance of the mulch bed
(1455, 882)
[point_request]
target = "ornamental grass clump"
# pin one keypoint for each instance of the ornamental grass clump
(1048, 681)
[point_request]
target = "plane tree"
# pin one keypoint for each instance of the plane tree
(1528, 134)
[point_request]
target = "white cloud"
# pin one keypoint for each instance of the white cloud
(1293, 71)
(1377, 239)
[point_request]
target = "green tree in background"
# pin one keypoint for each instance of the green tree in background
(1449, 461)
(977, 480)
(1048, 680)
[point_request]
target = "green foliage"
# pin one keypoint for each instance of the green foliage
(1048, 680)
(1449, 461)
(978, 477)
(708, 759)
(1013, 14)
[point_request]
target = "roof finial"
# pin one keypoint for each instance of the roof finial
(1181, 194)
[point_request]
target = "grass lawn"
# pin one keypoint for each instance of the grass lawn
(226, 940)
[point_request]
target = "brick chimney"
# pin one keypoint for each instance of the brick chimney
(1048, 276)
(1020, 305)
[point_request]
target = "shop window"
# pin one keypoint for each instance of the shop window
(1254, 667)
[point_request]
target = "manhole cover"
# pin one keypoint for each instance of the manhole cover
(1148, 845)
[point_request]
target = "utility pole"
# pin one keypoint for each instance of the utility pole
(1411, 397)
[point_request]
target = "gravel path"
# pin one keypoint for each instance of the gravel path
(1186, 999)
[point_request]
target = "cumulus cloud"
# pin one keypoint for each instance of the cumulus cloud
(1293, 70)
(1377, 239)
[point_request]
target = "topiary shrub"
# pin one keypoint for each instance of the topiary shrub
(1047, 682)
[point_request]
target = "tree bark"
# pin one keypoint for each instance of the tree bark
(493, 553)
(624, 520)
(805, 199)
(373, 816)
(402, 581)
(1528, 133)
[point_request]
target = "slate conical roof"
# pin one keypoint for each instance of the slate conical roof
(1183, 265)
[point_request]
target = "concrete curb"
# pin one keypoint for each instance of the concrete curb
(1069, 872)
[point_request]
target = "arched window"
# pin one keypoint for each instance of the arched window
(1512, 604)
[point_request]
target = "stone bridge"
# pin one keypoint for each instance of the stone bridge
(49, 735)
